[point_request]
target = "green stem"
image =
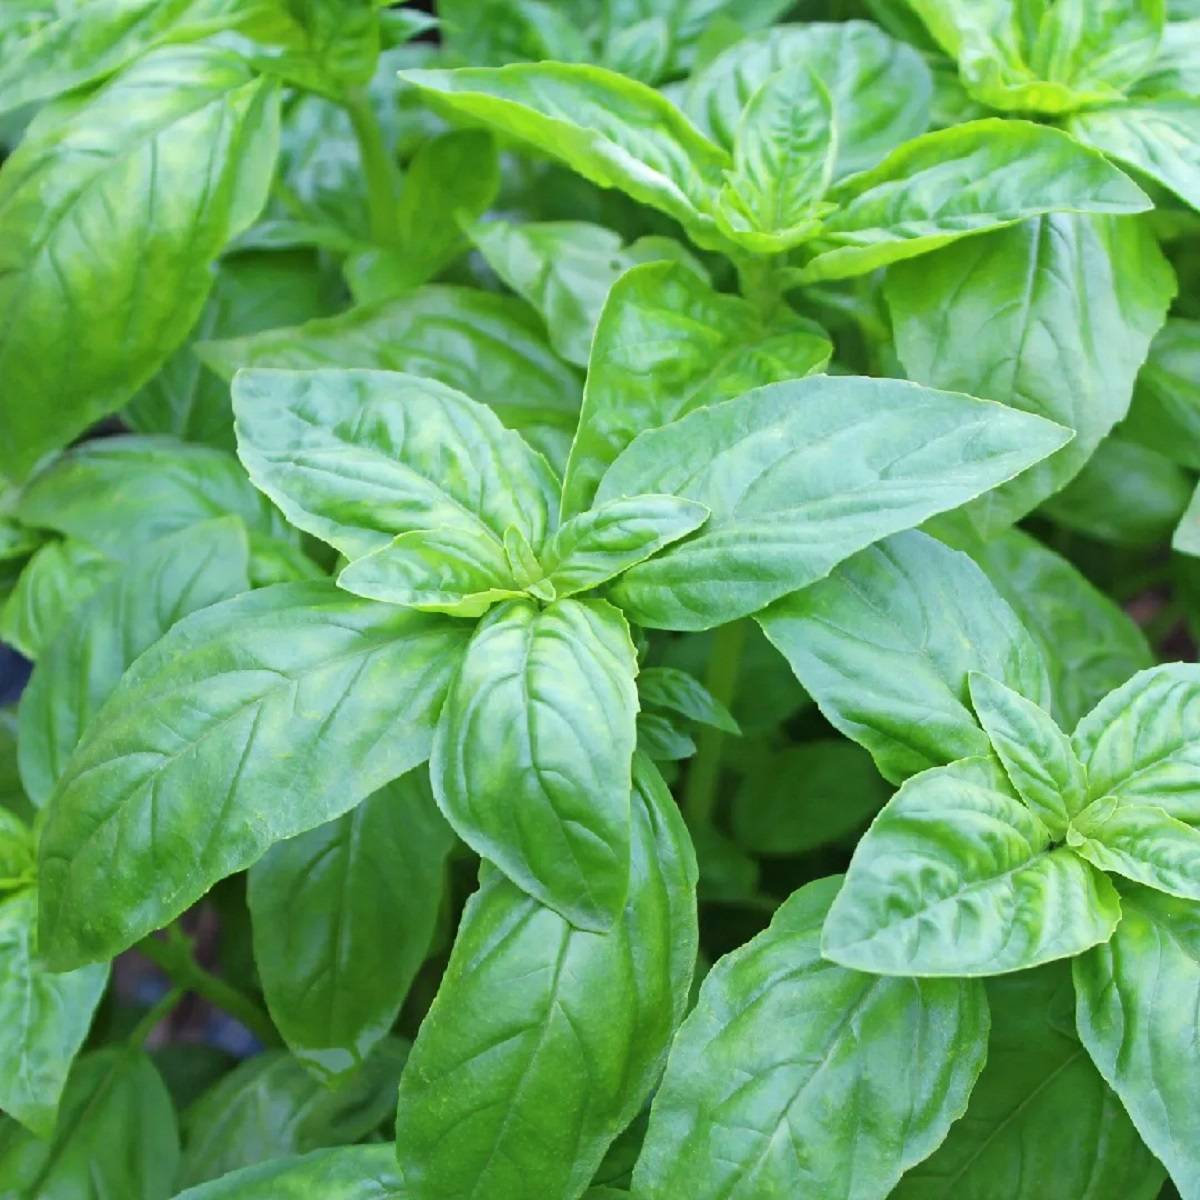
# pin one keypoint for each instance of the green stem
(700, 795)
(173, 955)
(156, 1013)
(761, 281)
(380, 171)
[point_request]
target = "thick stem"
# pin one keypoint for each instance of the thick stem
(761, 281)
(173, 956)
(700, 795)
(378, 168)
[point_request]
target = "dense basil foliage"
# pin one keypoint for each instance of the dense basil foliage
(610, 596)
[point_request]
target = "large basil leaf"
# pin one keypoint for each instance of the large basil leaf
(1165, 413)
(43, 1018)
(116, 1136)
(356, 457)
(789, 1069)
(1088, 643)
(881, 88)
(610, 129)
(489, 347)
(959, 181)
(799, 476)
(272, 713)
(957, 877)
(884, 645)
(1041, 1121)
(1158, 138)
(80, 667)
(666, 344)
(1010, 315)
(343, 1173)
(113, 208)
(1140, 743)
(542, 1026)
(269, 1106)
(1137, 1005)
(343, 916)
(1176, 68)
(532, 756)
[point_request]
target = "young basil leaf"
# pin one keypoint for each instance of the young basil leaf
(661, 739)
(1088, 643)
(565, 269)
(1176, 67)
(783, 159)
(682, 693)
(273, 713)
(343, 917)
(801, 475)
(1137, 999)
(540, 1025)
(1165, 413)
(595, 546)
(885, 644)
(1137, 743)
(489, 347)
(1059, 296)
(43, 1018)
(81, 666)
(1036, 755)
(769, 1082)
(462, 572)
(116, 1135)
(1039, 1112)
(1157, 138)
(666, 344)
(1141, 842)
(342, 1173)
(612, 130)
(355, 457)
(531, 760)
(113, 208)
(965, 180)
(957, 877)
(270, 1106)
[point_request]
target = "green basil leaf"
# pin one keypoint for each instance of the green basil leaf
(1036, 755)
(487, 346)
(17, 852)
(113, 207)
(1157, 138)
(12, 794)
(959, 181)
(1040, 1112)
(116, 1135)
(881, 88)
(594, 546)
(1176, 67)
(612, 130)
(1139, 743)
(783, 160)
(666, 344)
(789, 1069)
(343, 917)
(43, 1018)
(516, 1040)
(355, 457)
(1088, 643)
(884, 645)
(680, 692)
(1186, 538)
(458, 571)
(1059, 296)
(1165, 413)
(1137, 999)
(55, 583)
(343, 1173)
(801, 475)
(531, 760)
(957, 877)
(565, 269)
(1141, 842)
(81, 666)
(289, 683)
(661, 739)
(807, 796)
(270, 1106)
